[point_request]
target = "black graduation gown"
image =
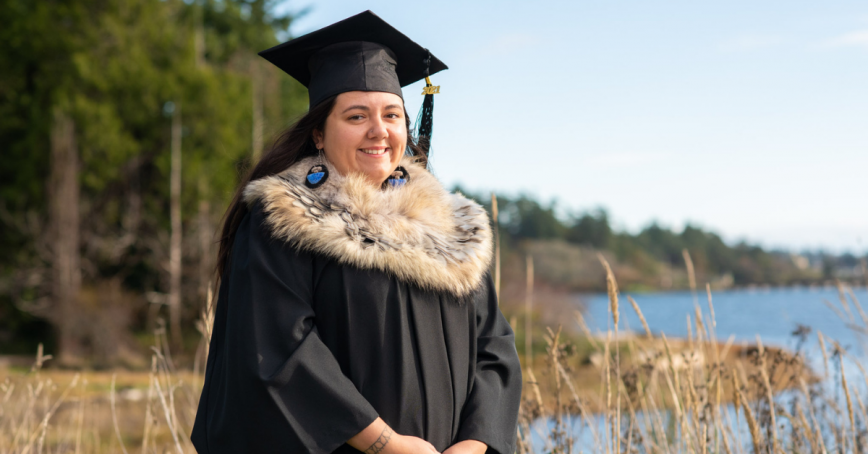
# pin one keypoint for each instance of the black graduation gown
(306, 352)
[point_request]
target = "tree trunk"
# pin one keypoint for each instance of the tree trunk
(175, 239)
(256, 89)
(205, 237)
(64, 235)
(199, 36)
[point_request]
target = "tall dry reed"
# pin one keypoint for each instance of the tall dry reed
(696, 396)
(653, 394)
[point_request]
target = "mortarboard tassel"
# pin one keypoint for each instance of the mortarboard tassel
(425, 120)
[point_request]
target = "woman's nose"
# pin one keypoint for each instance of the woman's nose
(378, 129)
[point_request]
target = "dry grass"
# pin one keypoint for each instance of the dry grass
(58, 411)
(632, 394)
(694, 395)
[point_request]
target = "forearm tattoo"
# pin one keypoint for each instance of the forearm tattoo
(381, 442)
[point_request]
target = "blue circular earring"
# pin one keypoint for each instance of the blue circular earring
(398, 178)
(317, 175)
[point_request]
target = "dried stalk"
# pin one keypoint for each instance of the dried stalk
(641, 317)
(115, 416)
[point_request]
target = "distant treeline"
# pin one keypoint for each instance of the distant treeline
(653, 258)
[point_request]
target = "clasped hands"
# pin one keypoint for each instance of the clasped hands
(379, 438)
(412, 445)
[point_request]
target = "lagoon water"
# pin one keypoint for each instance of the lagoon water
(773, 314)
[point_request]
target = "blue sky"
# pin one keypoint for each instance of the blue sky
(748, 118)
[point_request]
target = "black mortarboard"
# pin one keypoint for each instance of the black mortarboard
(362, 53)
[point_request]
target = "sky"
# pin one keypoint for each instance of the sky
(746, 118)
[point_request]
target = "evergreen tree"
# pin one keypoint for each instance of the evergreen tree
(101, 72)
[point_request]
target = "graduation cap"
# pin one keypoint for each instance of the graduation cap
(361, 53)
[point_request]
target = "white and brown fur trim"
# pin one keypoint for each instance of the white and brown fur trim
(419, 232)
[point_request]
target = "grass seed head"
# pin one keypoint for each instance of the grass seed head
(611, 287)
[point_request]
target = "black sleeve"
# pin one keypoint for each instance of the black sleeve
(490, 414)
(271, 384)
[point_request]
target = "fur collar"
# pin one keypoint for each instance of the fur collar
(419, 232)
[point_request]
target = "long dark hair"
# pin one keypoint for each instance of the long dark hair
(291, 146)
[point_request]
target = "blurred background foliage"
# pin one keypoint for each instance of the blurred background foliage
(92, 94)
(103, 79)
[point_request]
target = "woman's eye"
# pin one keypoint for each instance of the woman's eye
(356, 117)
(393, 115)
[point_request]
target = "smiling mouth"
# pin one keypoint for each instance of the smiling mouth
(374, 151)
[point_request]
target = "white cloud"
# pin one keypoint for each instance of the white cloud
(858, 38)
(749, 42)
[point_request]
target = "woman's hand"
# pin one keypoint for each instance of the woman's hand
(405, 444)
(467, 447)
(379, 438)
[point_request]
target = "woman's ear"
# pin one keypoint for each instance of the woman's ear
(318, 138)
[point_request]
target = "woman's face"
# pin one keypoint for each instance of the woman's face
(365, 133)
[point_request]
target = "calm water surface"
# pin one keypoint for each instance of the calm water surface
(773, 314)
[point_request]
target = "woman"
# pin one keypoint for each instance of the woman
(356, 311)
